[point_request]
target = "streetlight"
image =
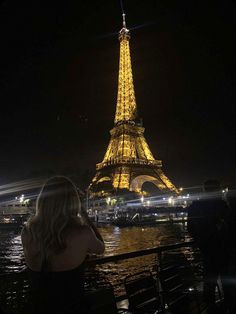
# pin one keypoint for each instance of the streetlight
(108, 201)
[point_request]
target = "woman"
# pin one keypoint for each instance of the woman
(56, 242)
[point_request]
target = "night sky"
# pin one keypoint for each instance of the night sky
(59, 75)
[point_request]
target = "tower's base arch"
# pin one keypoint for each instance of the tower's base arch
(137, 183)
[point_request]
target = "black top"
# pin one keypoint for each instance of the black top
(57, 292)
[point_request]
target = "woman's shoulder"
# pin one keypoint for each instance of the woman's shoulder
(75, 228)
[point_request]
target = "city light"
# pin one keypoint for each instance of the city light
(108, 200)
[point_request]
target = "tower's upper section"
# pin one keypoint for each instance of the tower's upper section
(126, 109)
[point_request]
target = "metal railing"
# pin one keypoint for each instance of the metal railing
(155, 250)
(129, 161)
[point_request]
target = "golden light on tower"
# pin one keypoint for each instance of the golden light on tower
(128, 161)
(126, 109)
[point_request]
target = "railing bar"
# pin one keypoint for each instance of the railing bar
(155, 250)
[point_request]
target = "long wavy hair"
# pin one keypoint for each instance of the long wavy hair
(58, 207)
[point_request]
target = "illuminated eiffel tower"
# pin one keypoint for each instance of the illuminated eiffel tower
(128, 161)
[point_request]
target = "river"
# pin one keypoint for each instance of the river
(117, 240)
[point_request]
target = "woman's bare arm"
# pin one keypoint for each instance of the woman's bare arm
(95, 245)
(95, 240)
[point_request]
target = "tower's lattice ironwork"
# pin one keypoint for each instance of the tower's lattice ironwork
(128, 161)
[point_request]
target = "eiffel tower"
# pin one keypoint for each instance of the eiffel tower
(128, 161)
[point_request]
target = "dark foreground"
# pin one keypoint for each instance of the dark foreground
(171, 284)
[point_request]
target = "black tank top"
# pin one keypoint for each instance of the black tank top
(59, 292)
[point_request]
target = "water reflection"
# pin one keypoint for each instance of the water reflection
(121, 240)
(117, 240)
(11, 252)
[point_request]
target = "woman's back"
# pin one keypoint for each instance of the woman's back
(78, 242)
(56, 242)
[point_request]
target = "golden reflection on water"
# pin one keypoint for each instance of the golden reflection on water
(122, 240)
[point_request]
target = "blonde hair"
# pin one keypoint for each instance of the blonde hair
(58, 206)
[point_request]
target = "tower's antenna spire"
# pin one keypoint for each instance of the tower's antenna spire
(122, 7)
(123, 13)
(124, 23)
(124, 32)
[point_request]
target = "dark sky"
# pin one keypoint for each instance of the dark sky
(58, 85)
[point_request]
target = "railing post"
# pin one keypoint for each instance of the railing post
(159, 269)
(159, 255)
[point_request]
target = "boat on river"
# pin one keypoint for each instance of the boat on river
(146, 220)
(12, 222)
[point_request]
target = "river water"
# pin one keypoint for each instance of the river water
(117, 240)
